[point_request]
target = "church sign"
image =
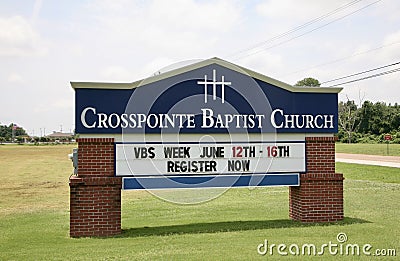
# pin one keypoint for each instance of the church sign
(210, 124)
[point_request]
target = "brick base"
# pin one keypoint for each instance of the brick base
(319, 198)
(95, 206)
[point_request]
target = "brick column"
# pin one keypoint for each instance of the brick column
(319, 198)
(95, 194)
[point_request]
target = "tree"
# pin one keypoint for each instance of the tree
(7, 132)
(368, 122)
(310, 82)
(349, 118)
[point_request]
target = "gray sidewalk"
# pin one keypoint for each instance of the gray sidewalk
(386, 161)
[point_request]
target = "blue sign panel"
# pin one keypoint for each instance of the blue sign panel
(209, 99)
(221, 181)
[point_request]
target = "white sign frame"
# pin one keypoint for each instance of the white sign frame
(135, 159)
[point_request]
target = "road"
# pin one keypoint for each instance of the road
(386, 161)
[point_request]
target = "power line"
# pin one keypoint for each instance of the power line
(297, 28)
(359, 73)
(310, 31)
(343, 58)
(307, 32)
(367, 77)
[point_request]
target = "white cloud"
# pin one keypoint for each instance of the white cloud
(392, 51)
(388, 11)
(381, 53)
(393, 37)
(54, 105)
(117, 73)
(214, 16)
(15, 78)
(154, 27)
(175, 15)
(156, 65)
(76, 50)
(299, 16)
(18, 38)
(265, 63)
(297, 10)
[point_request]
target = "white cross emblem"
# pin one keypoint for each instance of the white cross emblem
(214, 84)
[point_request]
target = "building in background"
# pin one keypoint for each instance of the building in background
(60, 137)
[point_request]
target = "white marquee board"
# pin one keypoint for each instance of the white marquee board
(174, 159)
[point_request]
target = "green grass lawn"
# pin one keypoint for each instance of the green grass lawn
(34, 217)
(371, 149)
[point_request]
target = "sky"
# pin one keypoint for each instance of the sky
(44, 45)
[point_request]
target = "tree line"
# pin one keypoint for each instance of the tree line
(369, 122)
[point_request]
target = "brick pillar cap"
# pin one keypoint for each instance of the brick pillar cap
(95, 140)
(334, 138)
